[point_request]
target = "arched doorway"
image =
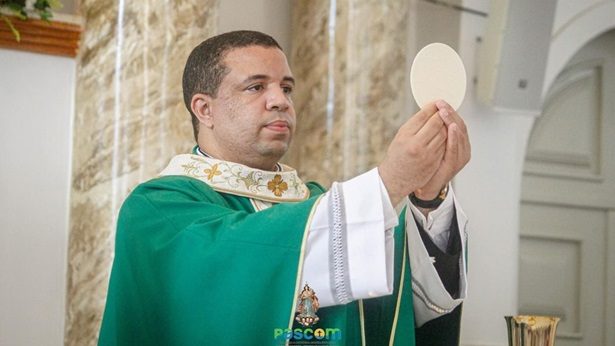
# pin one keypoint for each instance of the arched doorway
(567, 225)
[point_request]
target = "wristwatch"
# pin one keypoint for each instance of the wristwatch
(430, 204)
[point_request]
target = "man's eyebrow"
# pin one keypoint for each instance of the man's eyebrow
(264, 76)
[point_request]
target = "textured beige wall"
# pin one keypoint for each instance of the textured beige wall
(351, 63)
(352, 60)
(129, 119)
(272, 17)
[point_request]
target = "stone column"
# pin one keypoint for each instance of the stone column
(350, 58)
(129, 120)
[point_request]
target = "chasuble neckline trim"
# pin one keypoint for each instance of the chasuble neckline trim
(241, 180)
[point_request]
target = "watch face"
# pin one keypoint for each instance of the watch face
(443, 192)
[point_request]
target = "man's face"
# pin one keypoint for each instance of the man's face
(252, 114)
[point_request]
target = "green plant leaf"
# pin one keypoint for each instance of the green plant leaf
(41, 5)
(18, 8)
(14, 7)
(15, 32)
(55, 4)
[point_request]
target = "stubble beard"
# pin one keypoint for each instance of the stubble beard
(273, 152)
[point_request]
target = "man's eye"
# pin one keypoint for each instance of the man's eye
(256, 87)
(288, 89)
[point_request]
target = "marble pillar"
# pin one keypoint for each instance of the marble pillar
(350, 58)
(129, 120)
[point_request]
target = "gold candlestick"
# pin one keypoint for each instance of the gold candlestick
(528, 330)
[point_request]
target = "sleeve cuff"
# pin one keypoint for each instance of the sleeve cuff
(431, 300)
(370, 247)
(438, 221)
(349, 251)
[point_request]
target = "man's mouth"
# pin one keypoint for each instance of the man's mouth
(278, 126)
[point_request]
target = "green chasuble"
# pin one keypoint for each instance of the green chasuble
(196, 264)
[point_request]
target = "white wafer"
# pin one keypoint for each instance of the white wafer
(438, 73)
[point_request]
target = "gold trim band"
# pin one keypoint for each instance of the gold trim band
(399, 294)
(306, 231)
(362, 319)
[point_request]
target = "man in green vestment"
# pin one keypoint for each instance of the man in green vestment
(217, 250)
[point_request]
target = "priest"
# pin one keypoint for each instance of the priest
(228, 246)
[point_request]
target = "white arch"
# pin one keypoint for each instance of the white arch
(575, 35)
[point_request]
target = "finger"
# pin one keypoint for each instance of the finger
(445, 113)
(437, 160)
(440, 155)
(465, 148)
(452, 144)
(449, 115)
(431, 129)
(463, 139)
(457, 119)
(438, 140)
(418, 120)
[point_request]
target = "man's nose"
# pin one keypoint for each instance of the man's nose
(277, 99)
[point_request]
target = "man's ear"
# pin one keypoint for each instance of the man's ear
(201, 107)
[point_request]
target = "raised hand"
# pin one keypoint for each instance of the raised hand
(415, 154)
(456, 156)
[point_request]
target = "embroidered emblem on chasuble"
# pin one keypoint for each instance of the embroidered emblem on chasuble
(307, 306)
(241, 180)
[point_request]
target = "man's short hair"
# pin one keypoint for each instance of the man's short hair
(205, 69)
